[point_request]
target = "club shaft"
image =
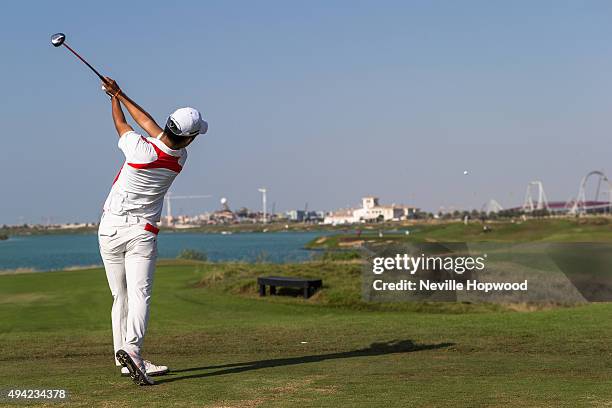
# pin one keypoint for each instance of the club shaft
(86, 63)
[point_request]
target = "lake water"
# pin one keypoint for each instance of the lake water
(52, 252)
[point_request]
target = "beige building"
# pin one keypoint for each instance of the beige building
(370, 211)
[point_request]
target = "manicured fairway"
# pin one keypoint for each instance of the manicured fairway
(231, 350)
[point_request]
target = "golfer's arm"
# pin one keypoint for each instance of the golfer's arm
(144, 120)
(119, 118)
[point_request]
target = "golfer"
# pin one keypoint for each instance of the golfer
(128, 229)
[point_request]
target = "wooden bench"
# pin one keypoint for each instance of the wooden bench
(308, 286)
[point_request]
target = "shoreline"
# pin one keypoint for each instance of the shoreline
(26, 270)
(164, 230)
(160, 262)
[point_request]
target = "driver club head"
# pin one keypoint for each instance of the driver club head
(58, 39)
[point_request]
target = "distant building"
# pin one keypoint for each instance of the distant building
(344, 216)
(305, 216)
(224, 215)
(370, 211)
(316, 216)
(296, 215)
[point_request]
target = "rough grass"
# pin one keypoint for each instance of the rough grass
(228, 349)
(341, 286)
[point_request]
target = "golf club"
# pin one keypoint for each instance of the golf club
(59, 39)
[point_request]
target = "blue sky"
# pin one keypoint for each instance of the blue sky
(321, 102)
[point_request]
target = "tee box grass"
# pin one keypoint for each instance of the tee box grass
(226, 347)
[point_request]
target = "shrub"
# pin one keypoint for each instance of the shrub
(192, 254)
(339, 256)
(262, 257)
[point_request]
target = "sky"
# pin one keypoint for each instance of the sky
(322, 102)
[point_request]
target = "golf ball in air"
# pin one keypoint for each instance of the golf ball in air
(465, 172)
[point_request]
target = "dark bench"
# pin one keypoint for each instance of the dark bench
(309, 286)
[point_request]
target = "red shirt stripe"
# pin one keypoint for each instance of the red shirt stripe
(164, 161)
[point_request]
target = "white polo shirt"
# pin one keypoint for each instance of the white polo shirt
(148, 172)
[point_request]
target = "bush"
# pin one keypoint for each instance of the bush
(192, 254)
(3, 237)
(262, 257)
(339, 256)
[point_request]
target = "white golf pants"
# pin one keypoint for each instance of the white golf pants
(128, 246)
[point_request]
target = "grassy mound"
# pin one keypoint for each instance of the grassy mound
(342, 287)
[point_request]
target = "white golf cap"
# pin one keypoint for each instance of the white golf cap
(187, 122)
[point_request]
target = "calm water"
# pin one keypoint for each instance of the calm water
(52, 252)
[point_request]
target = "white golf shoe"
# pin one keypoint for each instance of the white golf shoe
(150, 368)
(135, 366)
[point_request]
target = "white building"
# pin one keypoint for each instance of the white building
(344, 216)
(370, 211)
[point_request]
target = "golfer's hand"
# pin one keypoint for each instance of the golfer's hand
(110, 87)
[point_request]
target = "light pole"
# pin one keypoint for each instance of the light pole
(263, 192)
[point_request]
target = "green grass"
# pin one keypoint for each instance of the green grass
(588, 229)
(229, 348)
